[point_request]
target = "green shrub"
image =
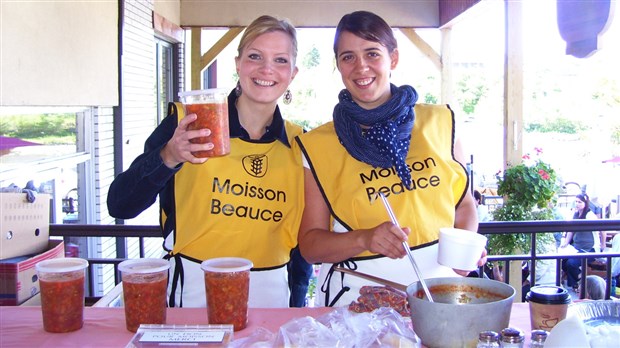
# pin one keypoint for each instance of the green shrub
(44, 128)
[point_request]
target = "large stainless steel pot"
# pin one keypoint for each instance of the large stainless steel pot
(463, 308)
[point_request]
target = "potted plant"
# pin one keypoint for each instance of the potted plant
(529, 190)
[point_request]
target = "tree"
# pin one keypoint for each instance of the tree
(469, 93)
(312, 59)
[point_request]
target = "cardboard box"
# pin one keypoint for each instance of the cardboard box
(24, 226)
(18, 277)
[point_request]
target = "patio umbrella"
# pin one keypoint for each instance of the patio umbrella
(9, 143)
(615, 159)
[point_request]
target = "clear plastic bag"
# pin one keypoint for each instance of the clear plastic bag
(306, 332)
(383, 327)
(260, 338)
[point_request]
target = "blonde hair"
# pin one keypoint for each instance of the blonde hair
(267, 24)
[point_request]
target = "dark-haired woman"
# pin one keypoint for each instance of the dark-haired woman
(380, 140)
(583, 242)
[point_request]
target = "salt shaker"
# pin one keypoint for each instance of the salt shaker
(488, 339)
(512, 338)
(538, 338)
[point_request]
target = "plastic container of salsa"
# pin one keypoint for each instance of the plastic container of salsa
(227, 283)
(144, 291)
(211, 107)
(62, 293)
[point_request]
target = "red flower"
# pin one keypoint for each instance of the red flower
(526, 156)
(543, 174)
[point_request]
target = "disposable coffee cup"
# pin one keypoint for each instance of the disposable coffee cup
(61, 284)
(144, 291)
(211, 107)
(548, 306)
(460, 249)
(227, 283)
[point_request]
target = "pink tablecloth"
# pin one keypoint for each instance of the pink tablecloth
(105, 327)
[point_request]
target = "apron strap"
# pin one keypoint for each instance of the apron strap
(325, 288)
(176, 277)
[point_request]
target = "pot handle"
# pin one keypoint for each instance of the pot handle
(395, 285)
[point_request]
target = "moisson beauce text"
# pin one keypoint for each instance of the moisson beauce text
(246, 211)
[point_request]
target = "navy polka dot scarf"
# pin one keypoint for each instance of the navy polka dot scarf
(384, 141)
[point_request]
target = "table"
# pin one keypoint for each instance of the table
(105, 327)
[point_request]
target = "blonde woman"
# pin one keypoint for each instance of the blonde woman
(214, 207)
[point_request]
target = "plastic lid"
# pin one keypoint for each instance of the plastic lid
(226, 264)
(203, 91)
(143, 265)
(61, 265)
(548, 294)
(464, 237)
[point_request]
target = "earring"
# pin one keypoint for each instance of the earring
(238, 89)
(288, 97)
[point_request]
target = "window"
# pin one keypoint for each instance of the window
(164, 77)
(57, 161)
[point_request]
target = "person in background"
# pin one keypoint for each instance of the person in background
(483, 211)
(299, 274)
(261, 222)
(583, 242)
(615, 263)
(595, 288)
(380, 140)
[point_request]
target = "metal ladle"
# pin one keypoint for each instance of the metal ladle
(413, 263)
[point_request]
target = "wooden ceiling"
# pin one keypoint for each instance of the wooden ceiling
(322, 13)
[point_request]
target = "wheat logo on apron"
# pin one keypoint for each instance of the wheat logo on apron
(255, 165)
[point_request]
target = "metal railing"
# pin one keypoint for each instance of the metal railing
(116, 231)
(535, 227)
(531, 227)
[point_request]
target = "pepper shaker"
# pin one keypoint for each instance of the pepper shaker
(488, 339)
(512, 338)
(538, 338)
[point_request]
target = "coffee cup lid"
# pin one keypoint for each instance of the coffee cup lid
(548, 294)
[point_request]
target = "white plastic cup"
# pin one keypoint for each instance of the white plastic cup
(227, 284)
(211, 107)
(144, 291)
(62, 293)
(460, 249)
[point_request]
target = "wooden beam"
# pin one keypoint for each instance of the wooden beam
(447, 76)
(224, 41)
(167, 28)
(513, 84)
(452, 9)
(423, 46)
(196, 67)
(513, 106)
(199, 61)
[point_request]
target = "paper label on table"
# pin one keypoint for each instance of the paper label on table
(183, 337)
